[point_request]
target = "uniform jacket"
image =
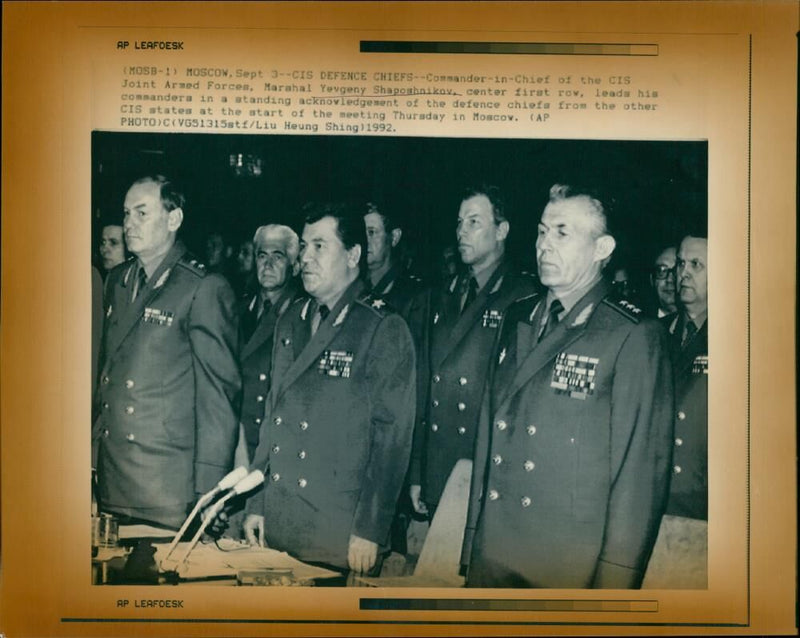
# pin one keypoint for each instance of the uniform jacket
(460, 347)
(256, 359)
(689, 487)
(336, 436)
(167, 397)
(572, 460)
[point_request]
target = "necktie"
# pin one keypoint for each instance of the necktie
(322, 312)
(556, 307)
(689, 332)
(264, 308)
(140, 283)
(472, 292)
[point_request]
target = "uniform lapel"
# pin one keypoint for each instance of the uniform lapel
(327, 330)
(467, 320)
(697, 346)
(541, 354)
(134, 311)
(266, 325)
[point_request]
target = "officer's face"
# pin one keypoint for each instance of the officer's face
(691, 270)
(569, 248)
(149, 228)
(379, 244)
(480, 240)
(112, 250)
(326, 263)
(272, 263)
(664, 279)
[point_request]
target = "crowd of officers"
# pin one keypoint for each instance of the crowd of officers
(356, 389)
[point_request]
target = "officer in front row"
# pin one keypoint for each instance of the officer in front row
(336, 436)
(167, 400)
(573, 453)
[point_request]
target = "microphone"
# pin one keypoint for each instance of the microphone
(249, 482)
(226, 482)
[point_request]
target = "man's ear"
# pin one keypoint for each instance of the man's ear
(397, 233)
(502, 231)
(354, 256)
(603, 247)
(174, 219)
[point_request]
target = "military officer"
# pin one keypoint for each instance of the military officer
(680, 558)
(572, 459)
(169, 383)
(276, 251)
(336, 436)
(387, 278)
(390, 282)
(464, 319)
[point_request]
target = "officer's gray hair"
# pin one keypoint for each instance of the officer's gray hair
(283, 234)
(560, 192)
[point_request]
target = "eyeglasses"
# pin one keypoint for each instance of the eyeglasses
(662, 272)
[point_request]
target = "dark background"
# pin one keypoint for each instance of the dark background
(657, 189)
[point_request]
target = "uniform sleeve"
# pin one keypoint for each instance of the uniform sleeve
(391, 380)
(213, 334)
(419, 322)
(641, 448)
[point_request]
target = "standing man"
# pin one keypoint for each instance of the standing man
(169, 383)
(465, 318)
(662, 279)
(572, 460)
(387, 278)
(688, 329)
(680, 558)
(276, 251)
(336, 435)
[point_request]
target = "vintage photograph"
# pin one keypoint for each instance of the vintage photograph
(399, 361)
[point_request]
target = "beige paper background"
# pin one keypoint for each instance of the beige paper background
(58, 72)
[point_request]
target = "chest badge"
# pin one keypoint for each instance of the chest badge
(492, 318)
(574, 375)
(158, 317)
(336, 363)
(700, 364)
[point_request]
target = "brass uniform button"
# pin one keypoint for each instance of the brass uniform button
(493, 495)
(501, 425)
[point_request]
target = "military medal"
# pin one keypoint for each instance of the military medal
(336, 363)
(574, 375)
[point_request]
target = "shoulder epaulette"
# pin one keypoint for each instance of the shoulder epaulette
(625, 308)
(378, 305)
(192, 265)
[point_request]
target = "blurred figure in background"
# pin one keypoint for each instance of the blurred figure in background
(662, 279)
(112, 247)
